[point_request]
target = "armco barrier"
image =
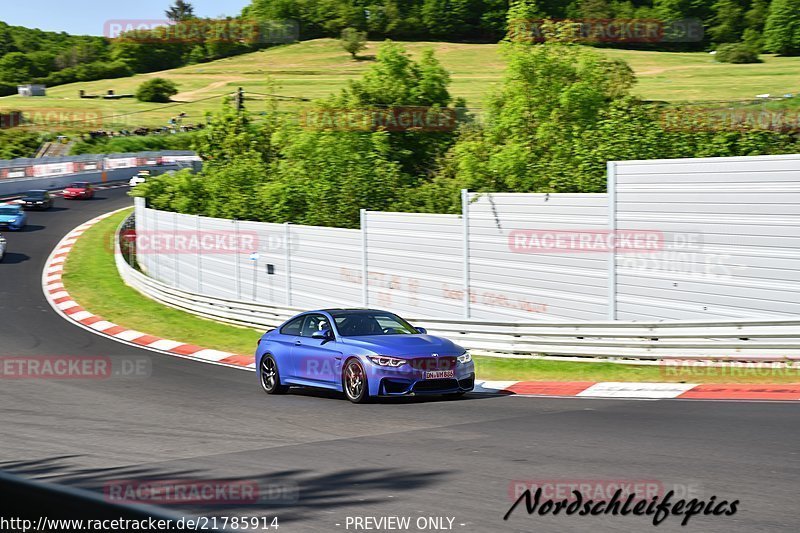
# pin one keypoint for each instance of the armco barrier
(761, 340)
(20, 175)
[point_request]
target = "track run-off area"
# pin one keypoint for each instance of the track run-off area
(464, 459)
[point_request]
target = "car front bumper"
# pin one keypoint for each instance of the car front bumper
(413, 382)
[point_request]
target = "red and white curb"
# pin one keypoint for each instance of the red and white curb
(643, 391)
(67, 307)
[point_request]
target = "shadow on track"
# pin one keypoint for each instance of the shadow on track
(292, 494)
(12, 258)
(30, 228)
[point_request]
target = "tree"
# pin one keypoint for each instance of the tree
(551, 94)
(353, 41)
(755, 19)
(728, 21)
(15, 68)
(156, 90)
(182, 10)
(782, 31)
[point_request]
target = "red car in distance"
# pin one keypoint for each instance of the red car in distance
(79, 189)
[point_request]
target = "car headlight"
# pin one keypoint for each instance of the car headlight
(382, 360)
(465, 357)
(13, 221)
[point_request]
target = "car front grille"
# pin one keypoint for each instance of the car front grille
(433, 363)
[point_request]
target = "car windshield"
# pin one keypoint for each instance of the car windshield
(359, 323)
(35, 194)
(79, 185)
(9, 211)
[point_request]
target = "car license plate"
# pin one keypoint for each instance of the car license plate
(440, 374)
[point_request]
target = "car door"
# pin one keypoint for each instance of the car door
(285, 342)
(317, 361)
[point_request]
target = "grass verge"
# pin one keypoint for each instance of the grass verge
(91, 278)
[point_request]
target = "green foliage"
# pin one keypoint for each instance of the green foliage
(738, 53)
(110, 145)
(353, 41)
(18, 143)
(156, 90)
(727, 22)
(552, 93)
(782, 31)
(396, 79)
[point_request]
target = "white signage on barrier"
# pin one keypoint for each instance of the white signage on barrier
(176, 158)
(53, 169)
(16, 173)
(124, 162)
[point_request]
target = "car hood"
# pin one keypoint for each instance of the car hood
(8, 218)
(74, 189)
(32, 199)
(405, 345)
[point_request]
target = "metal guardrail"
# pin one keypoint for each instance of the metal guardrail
(735, 340)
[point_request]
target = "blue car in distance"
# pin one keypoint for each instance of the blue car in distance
(364, 353)
(12, 217)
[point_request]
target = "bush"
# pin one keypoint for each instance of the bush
(156, 90)
(737, 53)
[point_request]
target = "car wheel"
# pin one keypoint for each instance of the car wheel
(354, 381)
(270, 378)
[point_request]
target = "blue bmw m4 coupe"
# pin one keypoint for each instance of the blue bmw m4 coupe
(364, 353)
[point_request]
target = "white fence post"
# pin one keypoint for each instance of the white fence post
(287, 232)
(176, 253)
(199, 258)
(611, 177)
(364, 264)
(236, 258)
(466, 258)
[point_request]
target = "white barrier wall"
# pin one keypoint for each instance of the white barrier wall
(731, 234)
(510, 278)
(722, 242)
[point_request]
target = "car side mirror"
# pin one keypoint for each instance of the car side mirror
(323, 334)
(422, 330)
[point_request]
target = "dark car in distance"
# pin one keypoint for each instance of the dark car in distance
(37, 199)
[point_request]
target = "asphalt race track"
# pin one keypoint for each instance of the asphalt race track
(412, 458)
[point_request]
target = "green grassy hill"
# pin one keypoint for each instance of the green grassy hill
(314, 69)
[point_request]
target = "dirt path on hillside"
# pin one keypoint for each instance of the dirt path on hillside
(189, 95)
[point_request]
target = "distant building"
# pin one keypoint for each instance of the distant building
(31, 89)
